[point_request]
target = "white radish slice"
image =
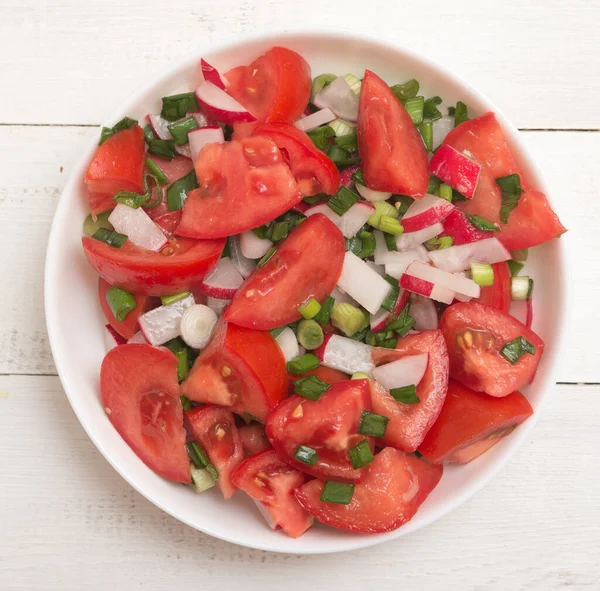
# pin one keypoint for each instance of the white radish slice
(406, 371)
(359, 281)
(244, 265)
(462, 298)
(424, 312)
(425, 212)
(200, 118)
(252, 246)
(346, 355)
(163, 323)
(197, 324)
(379, 320)
(205, 135)
(349, 223)
(459, 258)
(340, 98)
(211, 74)
(137, 339)
(184, 151)
(315, 120)
(160, 127)
(410, 240)
(371, 195)
(441, 128)
(449, 281)
(220, 106)
(217, 305)
(379, 269)
(139, 228)
(341, 297)
(223, 282)
(400, 263)
(112, 338)
(288, 344)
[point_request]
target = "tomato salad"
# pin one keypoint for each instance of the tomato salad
(313, 289)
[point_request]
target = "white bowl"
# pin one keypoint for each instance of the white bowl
(75, 320)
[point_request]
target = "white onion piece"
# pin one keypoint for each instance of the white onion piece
(252, 246)
(216, 305)
(197, 324)
(221, 106)
(451, 281)
(425, 212)
(112, 338)
(340, 98)
(315, 120)
(160, 127)
(341, 297)
(412, 281)
(223, 282)
(205, 135)
(347, 355)
(371, 195)
(424, 312)
(349, 223)
(139, 228)
(163, 323)
(379, 320)
(410, 240)
(288, 344)
(406, 371)
(244, 265)
(137, 339)
(441, 128)
(459, 258)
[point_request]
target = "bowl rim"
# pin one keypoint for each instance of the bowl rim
(231, 41)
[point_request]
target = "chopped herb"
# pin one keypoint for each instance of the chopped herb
(321, 135)
(163, 148)
(372, 424)
(310, 387)
(482, 224)
(510, 186)
(342, 201)
(306, 455)
(361, 455)
(515, 349)
(302, 364)
(409, 89)
(461, 113)
(110, 237)
(178, 105)
(430, 108)
(107, 132)
(177, 192)
(406, 394)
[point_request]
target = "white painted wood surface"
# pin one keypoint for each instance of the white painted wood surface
(67, 520)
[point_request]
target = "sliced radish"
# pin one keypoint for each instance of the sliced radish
(462, 231)
(138, 339)
(379, 269)
(400, 262)
(379, 320)
(406, 371)
(244, 265)
(349, 223)
(184, 151)
(346, 355)
(341, 297)
(371, 195)
(362, 283)
(217, 305)
(441, 128)
(456, 170)
(197, 324)
(288, 344)
(220, 106)
(160, 127)
(163, 323)
(426, 212)
(139, 228)
(401, 301)
(424, 312)
(252, 246)
(449, 281)
(459, 258)
(462, 298)
(223, 282)
(200, 118)
(315, 120)
(410, 240)
(340, 98)
(205, 135)
(112, 338)
(211, 74)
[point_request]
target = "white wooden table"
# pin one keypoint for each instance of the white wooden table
(67, 520)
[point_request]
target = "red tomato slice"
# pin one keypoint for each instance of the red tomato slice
(254, 438)
(325, 374)
(118, 165)
(178, 267)
(272, 482)
(128, 327)
(474, 335)
(214, 430)
(314, 170)
(241, 369)
(498, 295)
(533, 221)
(389, 494)
(328, 425)
(393, 153)
(274, 87)
(243, 184)
(410, 422)
(140, 394)
(168, 222)
(470, 423)
(308, 263)
(174, 170)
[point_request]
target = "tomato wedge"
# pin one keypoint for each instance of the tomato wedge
(254, 438)
(409, 423)
(308, 263)
(533, 221)
(214, 430)
(474, 335)
(498, 295)
(242, 185)
(267, 479)
(174, 169)
(393, 153)
(325, 374)
(178, 267)
(314, 171)
(390, 492)
(328, 425)
(118, 165)
(471, 423)
(140, 395)
(242, 369)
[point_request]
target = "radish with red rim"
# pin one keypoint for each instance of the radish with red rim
(205, 135)
(410, 240)
(223, 282)
(211, 74)
(426, 212)
(455, 169)
(407, 371)
(112, 338)
(349, 223)
(459, 258)
(444, 285)
(220, 106)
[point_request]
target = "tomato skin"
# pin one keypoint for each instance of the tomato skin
(254, 438)
(409, 423)
(150, 273)
(533, 221)
(215, 431)
(329, 425)
(393, 153)
(466, 426)
(498, 295)
(308, 263)
(278, 481)
(314, 171)
(242, 369)
(390, 492)
(118, 165)
(140, 394)
(325, 374)
(480, 366)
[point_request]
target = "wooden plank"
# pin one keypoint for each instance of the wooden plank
(70, 522)
(536, 60)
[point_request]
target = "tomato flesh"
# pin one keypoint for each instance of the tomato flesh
(474, 335)
(174, 169)
(308, 263)
(140, 395)
(254, 438)
(390, 492)
(409, 423)
(241, 369)
(498, 295)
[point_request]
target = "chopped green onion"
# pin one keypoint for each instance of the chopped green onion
(107, 132)
(180, 350)
(133, 200)
(405, 394)
(439, 243)
(310, 308)
(163, 148)
(306, 455)
(186, 403)
(310, 387)
(337, 492)
(176, 297)
(392, 297)
(263, 232)
(433, 187)
(510, 186)
(323, 315)
(310, 334)
(202, 478)
(414, 107)
(180, 129)
(403, 202)
(360, 335)
(302, 364)
(402, 323)
(157, 172)
(110, 237)
(177, 192)
(226, 252)
(515, 349)
(372, 424)
(348, 318)
(461, 113)
(338, 154)
(426, 131)
(430, 108)
(90, 226)
(520, 255)
(320, 136)
(177, 106)
(275, 332)
(390, 225)
(121, 302)
(353, 82)
(368, 245)
(361, 455)
(407, 90)
(482, 274)
(199, 458)
(482, 224)
(521, 287)
(343, 200)
(149, 134)
(358, 177)
(382, 208)
(267, 257)
(360, 375)
(390, 242)
(348, 142)
(280, 231)
(515, 267)
(446, 192)
(342, 128)
(320, 82)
